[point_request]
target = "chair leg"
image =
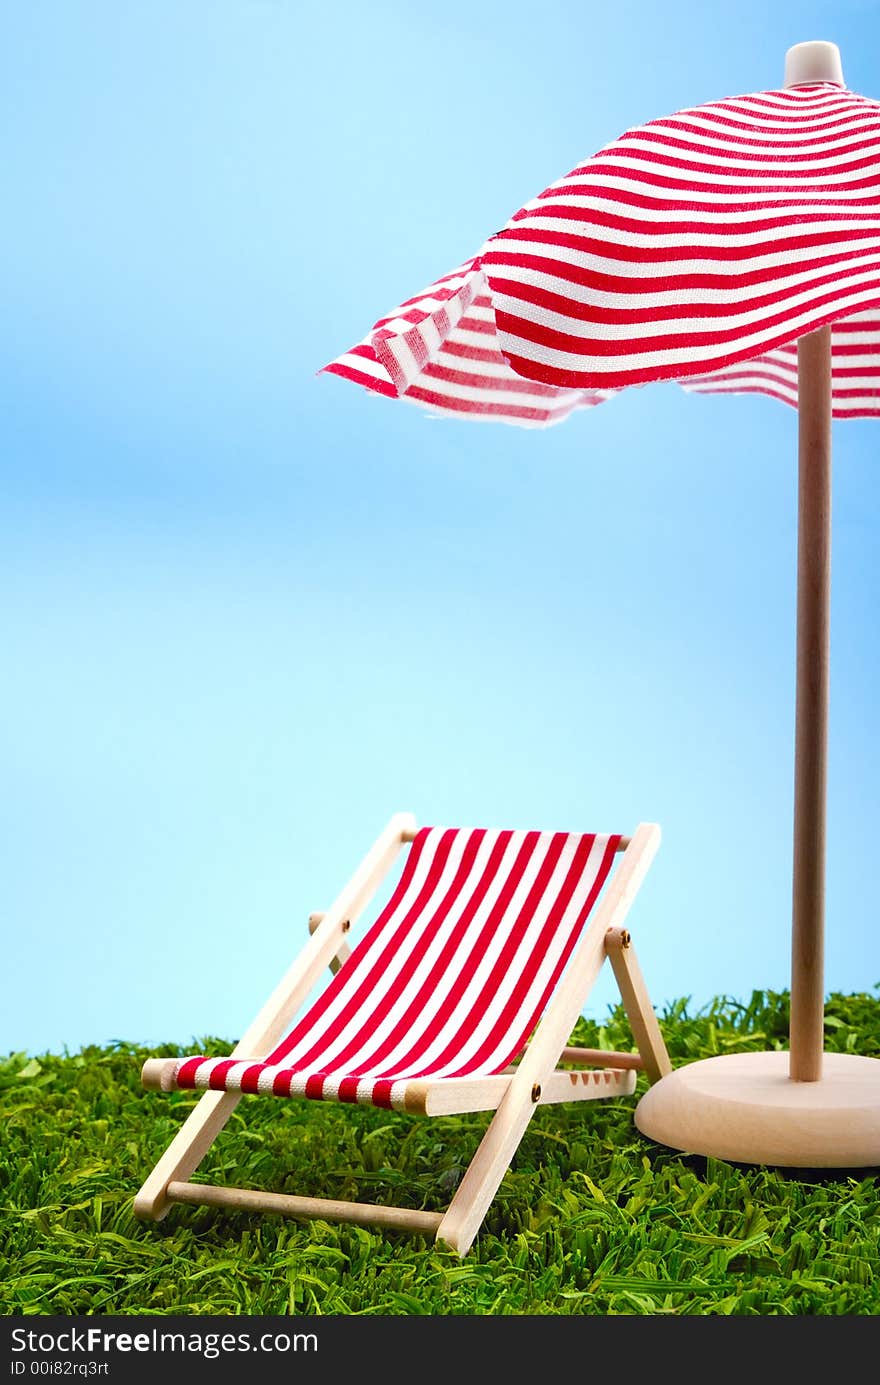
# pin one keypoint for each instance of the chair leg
(204, 1123)
(637, 1003)
(498, 1146)
(185, 1153)
(464, 1215)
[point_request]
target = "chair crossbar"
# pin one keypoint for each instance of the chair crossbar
(307, 1208)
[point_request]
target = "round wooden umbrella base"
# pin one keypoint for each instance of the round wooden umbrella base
(744, 1107)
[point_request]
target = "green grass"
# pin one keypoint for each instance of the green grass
(591, 1219)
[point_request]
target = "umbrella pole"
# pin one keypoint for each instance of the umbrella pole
(811, 705)
(806, 1108)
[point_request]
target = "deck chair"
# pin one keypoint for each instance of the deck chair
(460, 997)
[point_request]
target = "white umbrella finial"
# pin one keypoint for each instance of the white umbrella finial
(813, 62)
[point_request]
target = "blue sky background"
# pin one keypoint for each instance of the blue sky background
(247, 613)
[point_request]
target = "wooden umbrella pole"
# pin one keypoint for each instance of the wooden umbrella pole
(811, 708)
(805, 1108)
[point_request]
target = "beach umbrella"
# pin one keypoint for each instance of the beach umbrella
(732, 246)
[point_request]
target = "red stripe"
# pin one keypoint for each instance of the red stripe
(727, 210)
(476, 324)
(355, 964)
(186, 1074)
(758, 368)
(821, 97)
(408, 311)
(856, 349)
(661, 316)
(466, 406)
(783, 165)
(741, 224)
(757, 389)
(423, 1018)
(769, 149)
(855, 393)
(478, 354)
(419, 1020)
(251, 1076)
(369, 382)
(381, 1094)
(632, 286)
(369, 968)
(217, 1079)
(508, 959)
(746, 113)
(417, 345)
(671, 341)
(558, 340)
(847, 326)
(503, 1029)
(456, 274)
(575, 311)
(281, 1083)
(511, 384)
(732, 188)
(825, 127)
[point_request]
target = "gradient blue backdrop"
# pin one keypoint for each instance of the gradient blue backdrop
(248, 613)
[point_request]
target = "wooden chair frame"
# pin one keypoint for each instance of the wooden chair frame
(535, 1080)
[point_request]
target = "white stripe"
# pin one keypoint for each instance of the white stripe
(427, 1015)
(869, 403)
(491, 1007)
(793, 269)
(232, 1080)
(491, 1011)
(725, 216)
(670, 143)
(488, 370)
(203, 1072)
(380, 1031)
(382, 953)
(476, 415)
(750, 341)
(769, 138)
(758, 382)
(365, 365)
(398, 1095)
(736, 199)
(473, 394)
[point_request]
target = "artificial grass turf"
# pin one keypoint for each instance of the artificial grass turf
(591, 1219)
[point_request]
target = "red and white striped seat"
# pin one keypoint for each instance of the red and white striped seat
(449, 981)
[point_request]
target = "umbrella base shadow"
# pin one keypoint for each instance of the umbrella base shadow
(745, 1108)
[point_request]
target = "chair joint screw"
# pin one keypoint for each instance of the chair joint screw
(536, 1092)
(617, 938)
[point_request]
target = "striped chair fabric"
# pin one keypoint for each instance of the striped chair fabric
(448, 982)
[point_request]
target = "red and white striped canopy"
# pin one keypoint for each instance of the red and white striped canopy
(448, 982)
(696, 248)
